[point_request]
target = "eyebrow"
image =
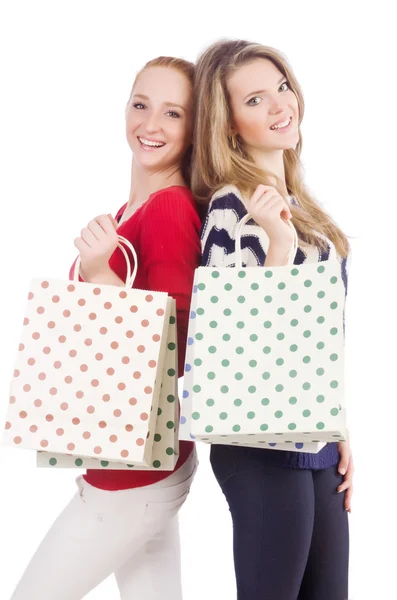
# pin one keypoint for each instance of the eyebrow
(262, 91)
(165, 103)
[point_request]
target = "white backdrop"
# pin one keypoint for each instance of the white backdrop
(66, 72)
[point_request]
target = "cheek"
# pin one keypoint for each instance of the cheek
(294, 104)
(131, 123)
(252, 126)
(129, 134)
(180, 137)
(134, 119)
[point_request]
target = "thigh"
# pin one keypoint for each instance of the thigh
(83, 546)
(326, 574)
(272, 509)
(98, 532)
(154, 572)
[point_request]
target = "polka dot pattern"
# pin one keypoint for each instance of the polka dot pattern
(277, 351)
(77, 366)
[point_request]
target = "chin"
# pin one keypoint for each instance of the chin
(290, 144)
(146, 163)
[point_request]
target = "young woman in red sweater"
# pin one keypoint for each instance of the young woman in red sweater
(125, 522)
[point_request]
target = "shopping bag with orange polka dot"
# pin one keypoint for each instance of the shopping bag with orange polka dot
(89, 368)
(265, 353)
(165, 442)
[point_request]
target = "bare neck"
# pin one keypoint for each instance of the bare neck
(272, 162)
(144, 183)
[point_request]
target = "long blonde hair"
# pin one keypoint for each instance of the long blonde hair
(217, 163)
(186, 68)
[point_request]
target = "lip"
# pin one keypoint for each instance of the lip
(150, 148)
(283, 129)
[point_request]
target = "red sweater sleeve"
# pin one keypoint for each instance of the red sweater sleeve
(170, 252)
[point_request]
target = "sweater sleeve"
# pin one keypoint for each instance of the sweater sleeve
(218, 235)
(170, 253)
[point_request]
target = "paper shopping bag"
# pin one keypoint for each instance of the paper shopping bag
(165, 442)
(88, 372)
(250, 441)
(265, 354)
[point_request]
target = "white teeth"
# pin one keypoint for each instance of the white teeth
(281, 125)
(150, 143)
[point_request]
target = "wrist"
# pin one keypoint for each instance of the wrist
(103, 274)
(88, 273)
(277, 255)
(278, 251)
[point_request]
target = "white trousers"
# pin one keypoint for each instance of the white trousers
(131, 533)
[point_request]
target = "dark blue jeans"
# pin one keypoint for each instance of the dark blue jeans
(290, 528)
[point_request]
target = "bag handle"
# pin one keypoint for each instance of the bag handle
(239, 258)
(291, 257)
(130, 278)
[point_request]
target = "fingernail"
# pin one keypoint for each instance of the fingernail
(342, 471)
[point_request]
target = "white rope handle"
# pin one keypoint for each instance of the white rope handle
(130, 278)
(239, 258)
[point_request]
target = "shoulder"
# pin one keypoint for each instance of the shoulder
(171, 200)
(172, 211)
(228, 197)
(225, 210)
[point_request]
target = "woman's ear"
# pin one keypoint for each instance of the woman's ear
(232, 130)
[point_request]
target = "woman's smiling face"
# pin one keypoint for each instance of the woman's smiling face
(159, 119)
(265, 112)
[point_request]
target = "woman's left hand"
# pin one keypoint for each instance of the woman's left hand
(346, 468)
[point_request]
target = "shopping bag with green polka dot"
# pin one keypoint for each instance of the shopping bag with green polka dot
(265, 353)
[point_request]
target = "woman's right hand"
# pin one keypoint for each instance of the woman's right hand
(96, 245)
(269, 209)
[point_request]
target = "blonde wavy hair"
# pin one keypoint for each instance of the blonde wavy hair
(217, 163)
(187, 68)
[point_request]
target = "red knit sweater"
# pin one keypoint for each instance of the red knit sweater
(165, 234)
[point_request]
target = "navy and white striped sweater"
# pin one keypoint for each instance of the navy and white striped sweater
(218, 246)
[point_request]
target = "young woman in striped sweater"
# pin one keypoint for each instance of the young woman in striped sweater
(125, 522)
(289, 509)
